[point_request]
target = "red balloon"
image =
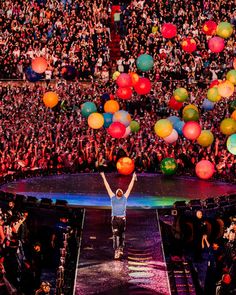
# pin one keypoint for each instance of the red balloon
(216, 44)
(116, 130)
(112, 96)
(189, 45)
(168, 30)
(191, 130)
(125, 165)
(204, 169)
(174, 104)
(209, 28)
(143, 86)
(214, 83)
(124, 80)
(124, 92)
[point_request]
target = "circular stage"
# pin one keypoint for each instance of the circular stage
(150, 191)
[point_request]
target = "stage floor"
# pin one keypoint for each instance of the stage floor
(87, 190)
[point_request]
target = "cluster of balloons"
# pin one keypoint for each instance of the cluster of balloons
(223, 31)
(125, 166)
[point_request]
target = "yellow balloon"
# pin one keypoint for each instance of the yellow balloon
(115, 75)
(228, 126)
(190, 106)
(226, 88)
(233, 115)
(163, 128)
(95, 120)
(206, 138)
(213, 94)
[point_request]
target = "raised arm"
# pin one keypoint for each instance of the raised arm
(110, 192)
(134, 178)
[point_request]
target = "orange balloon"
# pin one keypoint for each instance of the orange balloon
(233, 115)
(95, 120)
(125, 165)
(50, 99)
(111, 106)
(134, 78)
(226, 88)
(39, 65)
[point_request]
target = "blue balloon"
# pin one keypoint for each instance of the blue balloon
(173, 119)
(207, 105)
(107, 119)
(105, 96)
(32, 76)
(179, 127)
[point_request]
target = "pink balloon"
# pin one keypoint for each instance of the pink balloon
(191, 130)
(204, 169)
(124, 80)
(216, 44)
(116, 130)
(172, 137)
(143, 86)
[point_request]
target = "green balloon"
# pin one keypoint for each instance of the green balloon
(144, 62)
(231, 144)
(88, 108)
(134, 126)
(190, 115)
(232, 106)
(169, 166)
(180, 94)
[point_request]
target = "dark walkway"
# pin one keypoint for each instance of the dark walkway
(142, 271)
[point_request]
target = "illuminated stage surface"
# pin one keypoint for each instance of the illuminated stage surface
(87, 190)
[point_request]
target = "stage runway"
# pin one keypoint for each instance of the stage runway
(150, 191)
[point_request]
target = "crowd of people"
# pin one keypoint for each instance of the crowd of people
(60, 138)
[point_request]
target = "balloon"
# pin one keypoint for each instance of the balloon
(169, 30)
(144, 62)
(172, 137)
(180, 94)
(124, 92)
(143, 86)
(231, 144)
(216, 44)
(191, 130)
(214, 83)
(105, 96)
(234, 63)
(189, 45)
(39, 65)
(232, 106)
(125, 166)
(134, 126)
(112, 96)
(206, 138)
(124, 80)
(95, 120)
(116, 130)
(207, 105)
(127, 132)
(179, 127)
(122, 117)
(228, 126)
(225, 88)
(174, 104)
(107, 119)
(190, 106)
(32, 76)
(115, 75)
(88, 108)
(163, 128)
(231, 76)
(204, 169)
(224, 30)
(68, 73)
(173, 119)
(213, 94)
(233, 115)
(111, 106)
(134, 78)
(190, 115)
(209, 27)
(169, 166)
(50, 99)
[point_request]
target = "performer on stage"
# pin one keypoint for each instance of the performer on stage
(118, 215)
